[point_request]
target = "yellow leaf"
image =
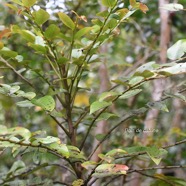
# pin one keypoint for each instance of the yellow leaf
(133, 3)
(81, 99)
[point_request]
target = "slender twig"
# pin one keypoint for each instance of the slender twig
(26, 144)
(76, 124)
(147, 169)
(55, 70)
(62, 183)
(156, 168)
(144, 152)
(63, 167)
(16, 72)
(30, 170)
(60, 125)
(25, 173)
(79, 69)
(109, 133)
(154, 177)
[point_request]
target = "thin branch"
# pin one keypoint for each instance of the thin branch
(156, 168)
(60, 125)
(154, 177)
(79, 69)
(34, 169)
(63, 167)
(62, 183)
(26, 144)
(16, 72)
(147, 169)
(174, 144)
(25, 173)
(111, 130)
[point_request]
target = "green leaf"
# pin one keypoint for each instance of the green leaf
(12, 6)
(163, 180)
(25, 133)
(39, 41)
(48, 140)
(38, 48)
(158, 105)
(178, 96)
(172, 7)
(62, 149)
(25, 103)
(1, 45)
(27, 35)
(95, 106)
(156, 154)
(66, 20)
(150, 66)
(28, 95)
(75, 154)
(130, 93)
(106, 170)
(6, 144)
(19, 58)
(5, 89)
(18, 2)
(100, 137)
(145, 74)
(122, 81)
(116, 153)
(89, 165)
(106, 116)
(108, 96)
(177, 50)
(14, 89)
(129, 13)
(7, 52)
(112, 23)
(109, 3)
(3, 130)
(82, 32)
(17, 165)
(136, 80)
(40, 16)
(105, 158)
(122, 12)
(52, 31)
(47, 103)
(28, 3)
(77, 53)
(104, 13)
(153, 152)
(175, 69)
(97, 22)
(62, 60)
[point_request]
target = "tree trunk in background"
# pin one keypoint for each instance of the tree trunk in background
(104, 85)
(101, 125)
(177, 122)
(159, 85)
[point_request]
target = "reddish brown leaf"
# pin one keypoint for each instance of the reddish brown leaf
(119, 167)
(5, 33)
(143, 8)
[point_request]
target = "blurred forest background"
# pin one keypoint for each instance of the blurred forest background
(143, 38)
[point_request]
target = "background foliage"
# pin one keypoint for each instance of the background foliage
(51, 102)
